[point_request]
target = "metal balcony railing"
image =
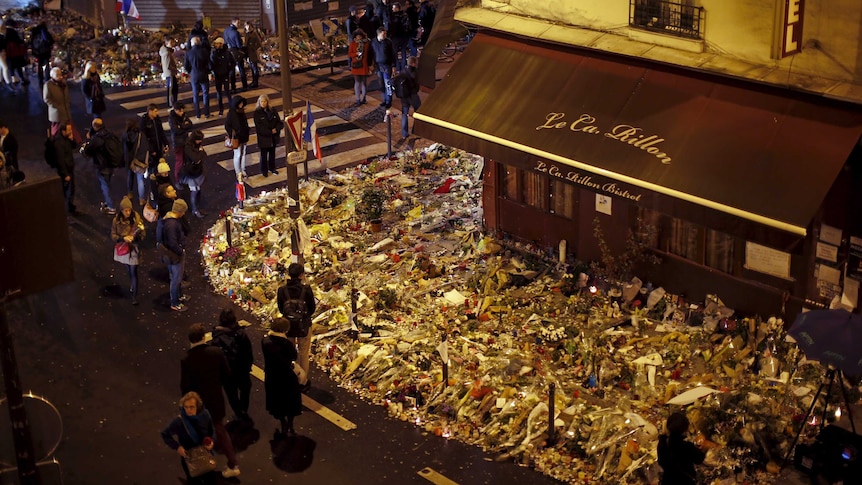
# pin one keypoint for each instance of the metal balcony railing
(667, 17)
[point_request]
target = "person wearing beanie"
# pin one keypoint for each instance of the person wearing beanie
(161, 176)
(173, 246)
(127, 230)
(163, 168)
(295, 294)
(223, 65)
(236, 127)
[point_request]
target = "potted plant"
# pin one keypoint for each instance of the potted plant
(370, 206)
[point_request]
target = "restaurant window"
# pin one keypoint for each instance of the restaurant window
(510, 183)
(691, 241)
(535, 190)
(675, 17)
(563, 199)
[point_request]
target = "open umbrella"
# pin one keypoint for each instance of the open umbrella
(832, 337)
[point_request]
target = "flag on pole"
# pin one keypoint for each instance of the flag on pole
(128, 8)
(294, 124)
(310, 134)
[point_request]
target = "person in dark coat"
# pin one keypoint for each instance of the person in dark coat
(41, 44)
(181, 125)
(91, 88)
(8, 146)
(384, 59)
(294, 289)
(153, 136)
(253, 44)
(193, 427)
(173, 245)
(200, 32)
(194, 159)
(205, 370)
(64, 148)
(233, 39)
(427, 12)
(677, 456)
(134, 146)
(268, 125)
(283, 395)
(411, 98)
(236, 345)
(236, 126)
(400, 31)
(16, 52)
(223, 65)
(94, 147)
(367, 22)
(197, 64)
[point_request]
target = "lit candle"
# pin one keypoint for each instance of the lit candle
(562, 250)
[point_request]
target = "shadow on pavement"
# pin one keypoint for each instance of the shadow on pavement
(243, 434)
(292, 454)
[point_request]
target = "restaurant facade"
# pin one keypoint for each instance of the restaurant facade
(751, 188)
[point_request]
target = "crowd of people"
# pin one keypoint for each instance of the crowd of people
(222, 366)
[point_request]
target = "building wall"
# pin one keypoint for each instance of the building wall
(744, 29)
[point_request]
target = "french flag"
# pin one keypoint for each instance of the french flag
(310, 134)
(128, 8)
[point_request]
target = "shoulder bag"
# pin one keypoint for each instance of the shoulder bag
(139, 166)
(199, 460)
(122, 248)
(231, 141)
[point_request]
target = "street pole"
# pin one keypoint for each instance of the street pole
(287, 96)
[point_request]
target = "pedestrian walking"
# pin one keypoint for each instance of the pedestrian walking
(91, 88)
(205, 370)
(253, 44)
(283, 394)
(197, 64)
(223, 65)
(233, 39)
(236, 345)
(134, 147)
(193, 170)
(297, 304)
(384, 59)
(268, 125)
(8, 146)
(42, 46)
(169, 70)
(153, 136)
(96, 147)
(236, 127)
(407, 89)
(17, 59)
(127, 230)
(64, 153)
(173, 246)
(55, 94)
(677, 456)
(360, 64)
(192, 428)
(181, 125)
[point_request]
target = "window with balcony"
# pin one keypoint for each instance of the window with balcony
(679, 18)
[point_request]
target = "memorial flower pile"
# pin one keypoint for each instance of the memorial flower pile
(495, 343)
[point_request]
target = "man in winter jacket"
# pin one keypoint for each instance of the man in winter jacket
(235, 344)
(94, 148)
(64, 149)
(400, 31)
(233, 39)
(169, 70)
(411, 95)
(253, 44)
(197, 64)
(384, 58)
(153, 135)
(174, 250)
(205, 370)
(223, 66)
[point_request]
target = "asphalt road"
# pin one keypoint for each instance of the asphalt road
(112, 369)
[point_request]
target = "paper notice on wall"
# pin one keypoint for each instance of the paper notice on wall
(603, 204)
(850, 296)
(830, 234)
(828, 274)
(767, 260)
(827, 252)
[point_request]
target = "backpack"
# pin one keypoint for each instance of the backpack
(50, 152)
(113, 150)
(296, 312)
(229, 345)
(403, 85)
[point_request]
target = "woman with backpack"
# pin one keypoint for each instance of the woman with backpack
(297, 304)
(193, 169)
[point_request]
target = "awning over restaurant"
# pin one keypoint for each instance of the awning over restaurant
(622, 126)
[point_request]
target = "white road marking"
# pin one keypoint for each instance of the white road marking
(315, 406)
